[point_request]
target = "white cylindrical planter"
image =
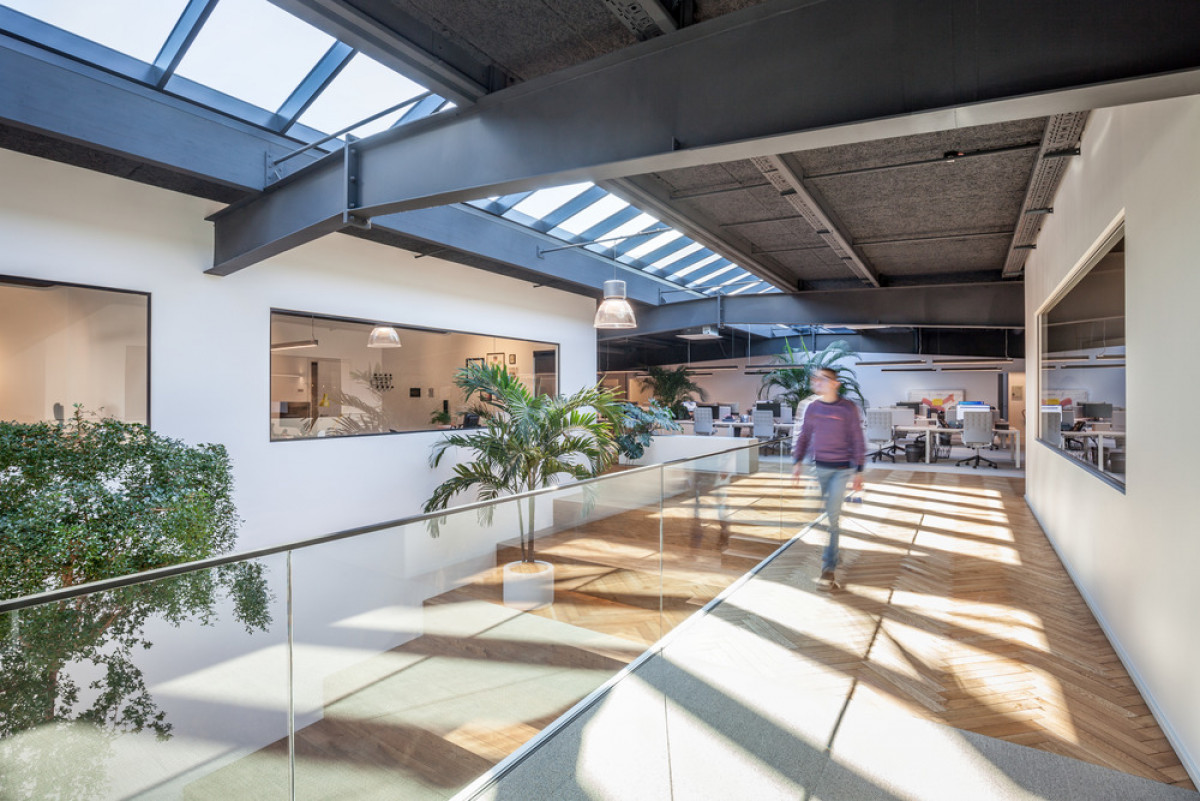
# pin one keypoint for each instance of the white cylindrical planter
(528, 585)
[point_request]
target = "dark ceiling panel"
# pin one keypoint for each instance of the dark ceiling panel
(949, 256)
(983, 194)
(527, 39)
(747, 205)
(899, 150)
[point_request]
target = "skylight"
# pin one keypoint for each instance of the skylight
(109, 22)
(364, 87)
(254, 51)
(544, 201)
(600, 210)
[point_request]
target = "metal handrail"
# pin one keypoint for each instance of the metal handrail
(74, 591)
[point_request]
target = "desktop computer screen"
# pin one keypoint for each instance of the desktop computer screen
(914, 405)
(1096, 411)
(773, 406)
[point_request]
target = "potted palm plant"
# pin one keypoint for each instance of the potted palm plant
(524, 442)
(789, 382)
(672, 387)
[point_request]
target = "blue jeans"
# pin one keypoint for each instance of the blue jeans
(832, 482)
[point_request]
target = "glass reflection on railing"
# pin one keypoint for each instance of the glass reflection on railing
(148, 689)
(420, 655)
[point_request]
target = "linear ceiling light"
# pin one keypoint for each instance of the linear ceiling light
(1089, 366)
(971, 369)
(299, 343)
(1057, 359)
(614, 311)
(892, 362)
(969, 362)
(1120, 356)
(907, 370)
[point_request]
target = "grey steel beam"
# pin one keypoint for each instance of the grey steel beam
(774, 78)
(995, 305)
(55, 95)
(433, 60)
(470, 230)
(62, 99)
(791, 188)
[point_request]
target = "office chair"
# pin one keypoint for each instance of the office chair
(977, 434)
(785, 413)
(879, 432)
(764, 428)
(702, 421)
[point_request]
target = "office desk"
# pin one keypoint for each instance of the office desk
(1099, 437)
(1012, 434)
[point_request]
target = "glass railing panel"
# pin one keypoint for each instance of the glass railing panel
(155, 690)
(721, 517)
(427, 652)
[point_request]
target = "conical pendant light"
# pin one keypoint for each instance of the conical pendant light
(383, 336)
(615, 311)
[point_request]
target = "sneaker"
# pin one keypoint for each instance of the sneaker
(828, 581)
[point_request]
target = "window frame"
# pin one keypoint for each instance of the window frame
(1114, 234)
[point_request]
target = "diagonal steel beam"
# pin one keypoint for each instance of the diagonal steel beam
(995, 305)
(777, 77)
(63, 99)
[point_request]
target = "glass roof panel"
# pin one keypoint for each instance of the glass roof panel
(254, 51)
(713, 275)
(601, 209)
(110, 23)
(691, 268)
(745, 288)
(667, 261)
(638, 223)
(544, 201)
(650, 245)
(364, 87)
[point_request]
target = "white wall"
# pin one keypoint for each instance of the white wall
(209, 360)
(1135, 554)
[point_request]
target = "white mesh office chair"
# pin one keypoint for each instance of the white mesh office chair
(879, 432)
(724, 411)
(977, 434)
(702, 421)
(764, 427)
(785, 413)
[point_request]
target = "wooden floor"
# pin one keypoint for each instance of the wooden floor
(955, 608)
(980, 627)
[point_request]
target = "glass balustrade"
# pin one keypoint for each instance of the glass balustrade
(401, 661)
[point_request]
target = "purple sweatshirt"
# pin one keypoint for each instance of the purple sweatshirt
(834, 432)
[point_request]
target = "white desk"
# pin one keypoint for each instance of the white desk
(1099, 436)
(1012, 434)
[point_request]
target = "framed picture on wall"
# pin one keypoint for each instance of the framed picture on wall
(496, 358)
(1067, 398)
(478, 362)
(512, 358)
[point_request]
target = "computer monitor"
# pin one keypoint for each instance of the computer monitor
(914, 405)
(1096, 411)
(773, 406)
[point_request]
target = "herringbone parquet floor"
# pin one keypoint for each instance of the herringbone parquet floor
(954, 609)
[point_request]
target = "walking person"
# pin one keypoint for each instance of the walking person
(832, 432)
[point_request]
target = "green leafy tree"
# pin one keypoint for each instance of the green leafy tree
(525, 441)
(82, 501)
(91, 499)
(635, 427)
(790, 381)
(672, 387)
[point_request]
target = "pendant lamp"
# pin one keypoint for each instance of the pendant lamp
(615, 311)
(383, 336)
